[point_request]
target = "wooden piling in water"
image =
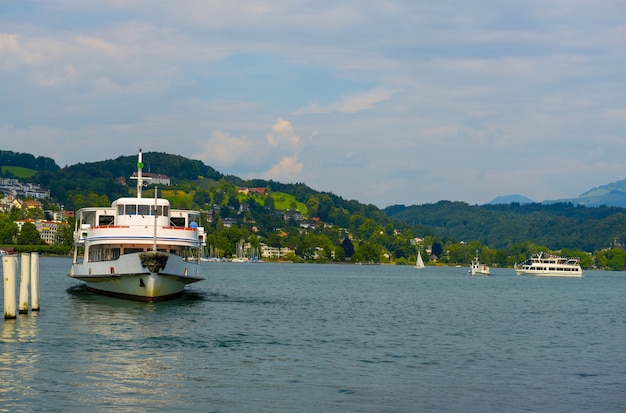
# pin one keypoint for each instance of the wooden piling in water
(24, 283)
(9, 270)
(34, 281)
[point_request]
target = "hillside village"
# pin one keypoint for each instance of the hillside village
(26, 197)
(12, 188)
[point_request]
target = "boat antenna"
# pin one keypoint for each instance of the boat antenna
(139, 177)
(154, 245)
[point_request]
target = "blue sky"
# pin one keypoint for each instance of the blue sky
(385, 102)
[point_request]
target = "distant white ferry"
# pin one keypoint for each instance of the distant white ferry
(476, 268)
(548, 265)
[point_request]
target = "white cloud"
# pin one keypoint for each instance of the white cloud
(287, 170)
(223, 149)
(283, 135)
(279, 149)
(9, 43)
(351, 103)
(65, 74)
(617, 113)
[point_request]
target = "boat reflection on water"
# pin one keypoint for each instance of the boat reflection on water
(18, 368)
(128, 353)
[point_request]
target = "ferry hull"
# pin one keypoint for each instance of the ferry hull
(127, 278)
(479, 272)
(539, 273)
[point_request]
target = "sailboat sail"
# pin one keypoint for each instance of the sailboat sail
(419, 263)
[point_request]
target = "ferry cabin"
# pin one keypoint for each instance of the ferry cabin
(136, 225)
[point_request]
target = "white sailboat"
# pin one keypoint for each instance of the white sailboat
(419, 263)
(241, 253)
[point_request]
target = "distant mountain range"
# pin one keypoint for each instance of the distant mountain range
(509, 199)
(613, 194)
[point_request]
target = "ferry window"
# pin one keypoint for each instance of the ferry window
(144, 209)
(159, 210)
(178, 222)
(166, 211)
(105, 220)
(131, 209)
(120, 209)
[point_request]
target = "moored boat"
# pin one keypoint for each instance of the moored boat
(241, 253)
(476, 268)
(548, 265)
(138, 248)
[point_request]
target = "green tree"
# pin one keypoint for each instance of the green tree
(616, 259)
(8, 230)
(340, 254)
(227, 240)
(437, 249)
(313, 206)
(29, 235)
(502, 258)
(601, 259)
(348, 247)
(218, 198)
(367, 252)
(34, 213)
(65, 233)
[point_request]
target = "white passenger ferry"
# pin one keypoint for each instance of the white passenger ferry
(476, 268)
(548, 265)
(138, 248)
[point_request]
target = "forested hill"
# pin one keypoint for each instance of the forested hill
(559, 225)
(99, 177)
(26, 160)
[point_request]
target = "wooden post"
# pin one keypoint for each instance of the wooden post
(34, 281)
(9, 269)
(24, 283)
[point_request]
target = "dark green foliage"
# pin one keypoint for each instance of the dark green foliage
(29, 235)
(26, 160)
(437, 249)
(8, 230)
(558, 225)
(347, 246)
(367, 252)
(99, 177)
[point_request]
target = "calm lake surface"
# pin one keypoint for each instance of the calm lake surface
(323, 338)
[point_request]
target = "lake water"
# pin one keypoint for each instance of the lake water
(323, 338)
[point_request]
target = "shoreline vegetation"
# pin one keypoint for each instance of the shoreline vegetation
(66, 252)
